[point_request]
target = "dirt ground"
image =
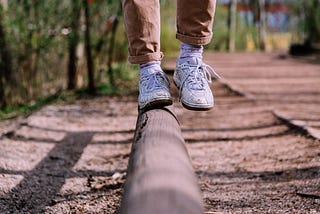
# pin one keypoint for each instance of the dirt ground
(258, 151)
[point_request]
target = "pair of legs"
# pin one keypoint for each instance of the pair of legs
(194, 29)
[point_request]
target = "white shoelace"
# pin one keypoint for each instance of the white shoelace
(196, 76)
(154, 81)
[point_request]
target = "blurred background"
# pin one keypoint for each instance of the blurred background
(53, 50)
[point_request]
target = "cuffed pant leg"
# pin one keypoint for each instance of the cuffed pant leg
(195, 20)
(142, 23)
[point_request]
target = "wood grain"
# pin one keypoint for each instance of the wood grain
(160, 178)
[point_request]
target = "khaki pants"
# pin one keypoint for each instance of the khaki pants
(142, 22)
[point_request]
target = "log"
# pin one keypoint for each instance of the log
(160, 177)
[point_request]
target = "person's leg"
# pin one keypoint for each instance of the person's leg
(142, 22)
(194, 29)
(195, 20)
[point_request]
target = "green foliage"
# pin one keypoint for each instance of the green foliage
(13, 111)
(169, 43)
(220, 30)
(306, 14)
(37, 35)
(121, 44)
(312, 19)
(127, 78)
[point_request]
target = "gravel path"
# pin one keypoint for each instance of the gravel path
(257, 151)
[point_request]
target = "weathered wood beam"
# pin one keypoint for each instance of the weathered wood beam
(160, 177)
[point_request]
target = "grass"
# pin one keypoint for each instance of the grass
(126, 76)
(24, 109)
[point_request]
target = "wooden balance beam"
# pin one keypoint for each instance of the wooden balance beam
(160, 177)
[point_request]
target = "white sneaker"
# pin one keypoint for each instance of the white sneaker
(192, 77)
(154, 90)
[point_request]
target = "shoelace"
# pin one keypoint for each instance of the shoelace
(154, 81)
(196, 76)
(208, 73)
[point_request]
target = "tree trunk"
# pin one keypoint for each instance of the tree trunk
(35, 57)
(110, 53)
(73, 43)
(160, 177)
(111, 48)
(5, 62)
(3, 102)
(262, 25)
(312, 15)
(90, 64)
(2, 63)
(232, 25)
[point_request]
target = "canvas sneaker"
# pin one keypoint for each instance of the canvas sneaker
(192, 77)
(154, 90)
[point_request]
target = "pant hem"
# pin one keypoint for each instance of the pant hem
(194, 40)
(146, 58)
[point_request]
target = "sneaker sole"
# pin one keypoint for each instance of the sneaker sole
(196, 108)
(190, 107)
(157, 104)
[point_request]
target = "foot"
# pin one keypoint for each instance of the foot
(154, 88)
(192, 78)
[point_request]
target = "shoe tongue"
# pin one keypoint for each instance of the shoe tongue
(150, 70)
(194, 61)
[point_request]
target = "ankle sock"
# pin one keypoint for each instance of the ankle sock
(188, 51)
(150, 67)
